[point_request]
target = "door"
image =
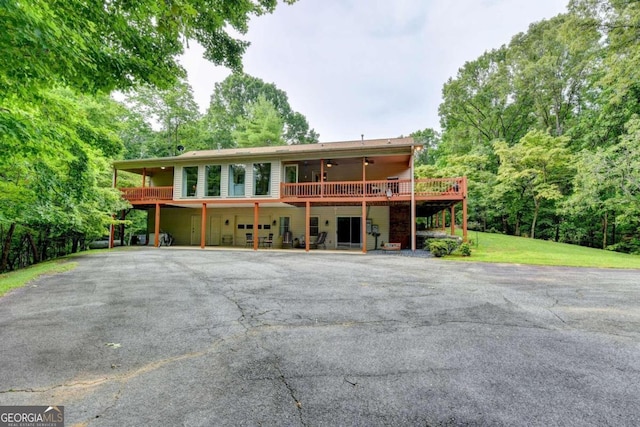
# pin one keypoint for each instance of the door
(349, 231)
(196, 226)
(214, 231)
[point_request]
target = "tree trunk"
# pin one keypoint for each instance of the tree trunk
(535, 218)
(34, 248)
(74, 243)
(613, 230)
(6, 247)
(605, 226)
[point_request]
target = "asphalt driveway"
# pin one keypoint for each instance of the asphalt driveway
(174, 337)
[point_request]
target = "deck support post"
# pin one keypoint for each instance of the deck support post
(112, 230)
(413, 204)
(203, 226)
(364, 227)
(444, 219)
(453, 220)
(307, 226)
(156, 238)
(256, 219)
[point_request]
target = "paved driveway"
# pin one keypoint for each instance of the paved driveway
(203, 338)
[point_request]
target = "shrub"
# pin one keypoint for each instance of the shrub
(465, 249)
(438, 248)
(452, 245)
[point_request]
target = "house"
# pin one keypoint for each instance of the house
(361, 193)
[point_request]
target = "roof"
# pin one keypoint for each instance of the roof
(332, 149)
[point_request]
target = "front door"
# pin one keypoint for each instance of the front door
(349, 231)
(196, 226)
(214, 230)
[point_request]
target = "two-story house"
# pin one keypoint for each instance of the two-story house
(357, 193)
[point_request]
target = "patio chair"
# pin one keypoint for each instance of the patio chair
(320, 241)
(249, 240)
(268, 242)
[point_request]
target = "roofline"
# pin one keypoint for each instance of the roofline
(323, 150)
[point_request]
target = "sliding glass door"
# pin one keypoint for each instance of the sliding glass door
(349, 232)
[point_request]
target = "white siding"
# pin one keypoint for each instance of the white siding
(177, 183)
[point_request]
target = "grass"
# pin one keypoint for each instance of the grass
(498, 248)
(19, 278)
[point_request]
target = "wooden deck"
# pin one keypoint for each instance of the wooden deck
(383, 190)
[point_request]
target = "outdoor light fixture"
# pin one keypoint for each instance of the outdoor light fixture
(275, 222)
(326, 222)
(226, 222)
(366, 161)
(329, 164)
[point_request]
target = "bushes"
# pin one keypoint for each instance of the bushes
(465, 249)
(438, 248)
(447, 246)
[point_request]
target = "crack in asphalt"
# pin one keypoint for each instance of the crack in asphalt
(291, 393)
(64, 385)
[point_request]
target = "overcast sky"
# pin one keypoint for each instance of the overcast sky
(372, 67)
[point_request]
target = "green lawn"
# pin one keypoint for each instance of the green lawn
(488, 247)
(16, 279)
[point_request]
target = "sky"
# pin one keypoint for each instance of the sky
(370, 67)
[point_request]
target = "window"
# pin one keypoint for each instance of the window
(261, 179)
(189, 181)
(285, 222)
(236, 180)
(313, 226)
(212, 175)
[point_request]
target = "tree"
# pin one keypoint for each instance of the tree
(175, 111)
(534, 168)
(607, 184)
(430, 139)
(100, 46)
(552, 63)
(55, 179)
(231, 100)
(263, 125)
(480, 105)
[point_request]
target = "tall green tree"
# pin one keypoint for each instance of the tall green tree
(231, 101)
(263, 126)
(55, 179)
(607, 185)
(98, 45)
(536, 168)
(480, 105)
(175, 111)
(552, 64)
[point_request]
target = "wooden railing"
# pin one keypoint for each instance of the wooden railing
(424, 187)
(136, 194)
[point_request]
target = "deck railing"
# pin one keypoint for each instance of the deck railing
(136, 194)
(424, 187)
